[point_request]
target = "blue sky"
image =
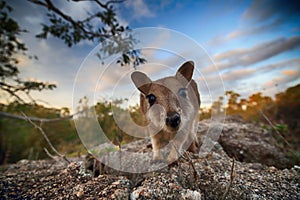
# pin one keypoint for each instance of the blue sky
(255, 46)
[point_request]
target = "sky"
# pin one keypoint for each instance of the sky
(244, 46)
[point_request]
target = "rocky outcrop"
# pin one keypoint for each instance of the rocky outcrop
(249, 143)
(52, 180)
(193, 177)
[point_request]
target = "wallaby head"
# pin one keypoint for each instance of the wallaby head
(170, 105)
(177, 95)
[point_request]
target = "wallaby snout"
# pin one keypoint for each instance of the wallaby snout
(179, 97)
(173, 120)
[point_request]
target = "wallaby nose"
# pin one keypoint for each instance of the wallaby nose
(173, 119)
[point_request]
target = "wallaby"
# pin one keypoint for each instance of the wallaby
(170, 106)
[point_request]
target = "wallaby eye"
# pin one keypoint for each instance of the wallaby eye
(182, 92)
(151, 99)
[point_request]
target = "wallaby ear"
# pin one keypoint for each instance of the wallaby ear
(141, 81)
(185, 72)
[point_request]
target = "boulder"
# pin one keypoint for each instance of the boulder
(247, 142)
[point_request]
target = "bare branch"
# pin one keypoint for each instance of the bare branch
(186, 157)
(272, 125)
(232, 175)
(114, 2)
(25, 87)
(101, 4)
(12, 93)
(49, 154)
(98, 2)
(49, 5)
(36, 119)
(46, 138)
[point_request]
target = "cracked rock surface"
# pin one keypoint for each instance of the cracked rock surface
(194, 178)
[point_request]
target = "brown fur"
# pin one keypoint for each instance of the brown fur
(168, 99)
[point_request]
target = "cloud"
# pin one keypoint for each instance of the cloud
(111, 76)
(237, 75)
(139, 9)
(289, 72)
(272, 9)
(244, 32)
(245, 80)
(282, 81)
(160, 41)
(24, 61)
(290, 63)
(263, 16)
(255, 54)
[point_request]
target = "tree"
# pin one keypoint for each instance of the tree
(288, 106)
(114, 37)
(233, 105)
(20, 140)
(217, 106)
(10, 47)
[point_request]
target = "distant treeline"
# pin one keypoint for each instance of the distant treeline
(19, 140)
(285, 108)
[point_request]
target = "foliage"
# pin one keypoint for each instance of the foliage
(282, 128)
(233, 106)
(102, 25)
(111, 129)
(19, 140)
(10, 48)
(288, 106)
(283, 112)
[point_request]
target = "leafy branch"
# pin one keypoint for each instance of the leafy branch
(99, 25)
(10, 47)
(102, 25)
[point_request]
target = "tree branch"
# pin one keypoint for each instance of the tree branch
(46, 138)
(36, 119)
(273, 127)
(232, 175)
(13, 93)
(49, 5)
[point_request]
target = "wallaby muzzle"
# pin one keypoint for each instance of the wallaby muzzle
(173, 120)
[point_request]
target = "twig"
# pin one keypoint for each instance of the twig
(232, 175)
(95, 167)
(179, 173)
(188, 158)
(46, 138)
(49, 154)
(193, 166)
(272, 125)
(36, 119)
